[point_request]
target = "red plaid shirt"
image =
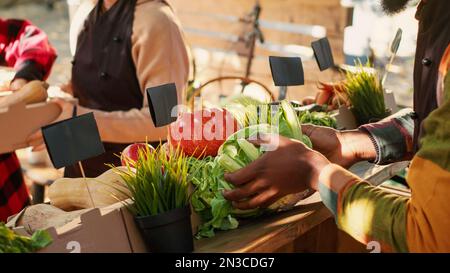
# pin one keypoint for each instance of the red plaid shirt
(25, 48)
(13, 191)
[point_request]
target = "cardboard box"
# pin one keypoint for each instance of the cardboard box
(101, 230)
(110, 229)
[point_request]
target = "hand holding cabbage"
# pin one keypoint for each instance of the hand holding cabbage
(291, 168)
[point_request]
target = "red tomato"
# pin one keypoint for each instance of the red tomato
(201, 133)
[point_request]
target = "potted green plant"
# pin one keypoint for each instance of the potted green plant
(366, 95)
(159, 189)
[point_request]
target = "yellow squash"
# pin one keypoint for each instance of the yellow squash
(72, 194)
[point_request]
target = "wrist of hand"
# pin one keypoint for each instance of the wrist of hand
(359, 145)
(318, 164)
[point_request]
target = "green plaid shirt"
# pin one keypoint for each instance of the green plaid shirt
(392, 137)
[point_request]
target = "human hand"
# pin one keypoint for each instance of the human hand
(17, 84)
(36, 140)
(67, 87)
(344, 148)
(291, 168)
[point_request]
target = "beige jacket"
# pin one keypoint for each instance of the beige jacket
(160, 55)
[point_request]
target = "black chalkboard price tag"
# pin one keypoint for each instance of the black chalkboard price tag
(287, 71)
(162, 100)
(323, 53)
(73, 140)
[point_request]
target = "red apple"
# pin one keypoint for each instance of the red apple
(131, 153)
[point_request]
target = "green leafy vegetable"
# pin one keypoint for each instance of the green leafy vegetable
(13, 243)
(245, 110)
(207, 199)
(317, 118)
(365, 92)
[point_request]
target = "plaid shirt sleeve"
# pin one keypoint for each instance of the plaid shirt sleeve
(392, 137)
(26, 48)
(13, 191)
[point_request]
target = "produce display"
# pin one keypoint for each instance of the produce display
(71, 194)
(237, 152)
(13, 243)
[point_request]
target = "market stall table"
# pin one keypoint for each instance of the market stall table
(300, 229)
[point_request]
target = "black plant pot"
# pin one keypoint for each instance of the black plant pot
(168, 232)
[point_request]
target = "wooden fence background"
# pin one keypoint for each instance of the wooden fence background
(212, 28)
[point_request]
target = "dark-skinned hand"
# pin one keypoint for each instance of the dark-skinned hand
(291, 168)
(344, 148)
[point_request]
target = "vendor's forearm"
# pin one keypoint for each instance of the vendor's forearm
(365, 212)
(130, 126)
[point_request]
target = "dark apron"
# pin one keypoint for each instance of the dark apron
(432, 40)
(104, 74)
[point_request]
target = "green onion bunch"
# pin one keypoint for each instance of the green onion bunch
(159, 182)
(365, 92)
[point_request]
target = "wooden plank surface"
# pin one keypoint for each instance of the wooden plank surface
(279, 231)
(266, 234)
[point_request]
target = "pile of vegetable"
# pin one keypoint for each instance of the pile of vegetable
(207, 144)
(236, 152)
(13, 243)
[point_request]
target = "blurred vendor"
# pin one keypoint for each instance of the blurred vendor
(25, 48)
(123, 48)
